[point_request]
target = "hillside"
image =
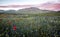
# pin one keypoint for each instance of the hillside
(31, 10)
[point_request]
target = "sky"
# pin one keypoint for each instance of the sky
(9, 4)
(22, 2)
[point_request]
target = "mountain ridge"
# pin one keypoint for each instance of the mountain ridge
(31, 10)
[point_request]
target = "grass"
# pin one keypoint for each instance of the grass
(30, 25)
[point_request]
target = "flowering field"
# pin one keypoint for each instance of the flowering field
(29, 26)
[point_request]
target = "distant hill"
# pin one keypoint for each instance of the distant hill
(2, 11)
(31, 10)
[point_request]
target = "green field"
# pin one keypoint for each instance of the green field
(30, 25)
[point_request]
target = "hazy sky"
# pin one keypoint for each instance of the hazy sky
(24, 2)
(5, 4)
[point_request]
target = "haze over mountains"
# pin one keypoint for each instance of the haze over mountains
(31, 10)
(44, 6)
(50, 6)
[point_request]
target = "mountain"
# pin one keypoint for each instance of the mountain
(31, 10)
(2, 11)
